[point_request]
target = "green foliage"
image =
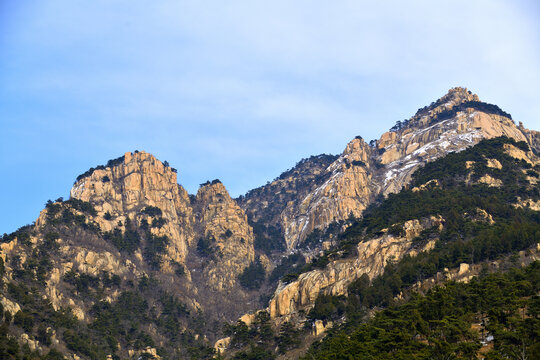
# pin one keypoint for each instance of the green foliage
(205, 247)
(322, 160)
(327, 307)
(253, 276)
(43, 335)
(454, 195)
(54, 354)
(152, 211)
(476, 105)
(208, 182)
(63, 213)
(110, 163)
(314, 238)
(439, 323)
(288, 265)
(317, 236)
(24, 320)
(463, 239)
(158, 222)
(82, 206)
(22, 234)
(109, 281)
(450, 113)
(254, 353)
(396, 230)
(259, 338)
(227, 234)
(147, 283)
(240, 334)
(452, 168)
(128, 241)
(480, 244)
(268, 238)
(52, 208)
(82, 282)
(305, 175)
(290, 277)
(155, 246)
(80, 343)
(34, 310)
(288, 337)
(179, 269)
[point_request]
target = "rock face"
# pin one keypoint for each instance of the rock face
(221, 220)
(122, 191)
(137, 180)
(346, 191)
(284, 196)
(208, 240)
(533, 137)
(364, 171)
(334, 279)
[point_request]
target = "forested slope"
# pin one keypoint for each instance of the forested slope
(479, 193)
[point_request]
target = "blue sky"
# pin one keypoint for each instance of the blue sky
(237, 90)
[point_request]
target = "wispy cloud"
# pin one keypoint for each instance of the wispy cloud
(241, 89)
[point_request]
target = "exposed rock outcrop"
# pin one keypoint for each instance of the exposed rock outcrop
(224, 223)
(137, 180)
(122, 191)
(362, 172)
(346, 192)
(334, 279)
(139, 193)
(184, 252)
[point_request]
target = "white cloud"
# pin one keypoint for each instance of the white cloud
(250, 85)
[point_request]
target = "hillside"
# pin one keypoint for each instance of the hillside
(461, 213)
(132, 266)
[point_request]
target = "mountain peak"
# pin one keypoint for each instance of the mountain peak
(459, 94)
(213, 191)
(129, 157)
(454, 97)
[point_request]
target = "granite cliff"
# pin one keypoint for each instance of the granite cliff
(131, 183)
(365, 171)
(139, 188)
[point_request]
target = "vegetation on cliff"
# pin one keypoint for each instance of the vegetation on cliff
(453, 191)
(481, 223)
(144, 313)
(455, 320)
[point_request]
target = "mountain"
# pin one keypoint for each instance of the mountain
(132, 266)
(365, 171)
(464, 216)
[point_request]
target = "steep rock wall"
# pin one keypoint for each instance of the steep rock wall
(221, 219)
(125, 189)
(334, 279)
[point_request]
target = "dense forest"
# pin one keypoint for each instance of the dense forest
(496, 315)
(409, 328)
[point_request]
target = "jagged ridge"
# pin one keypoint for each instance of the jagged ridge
(197, 246)
(363, 172)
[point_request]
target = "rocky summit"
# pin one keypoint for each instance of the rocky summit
(364, 171)
(131, 266)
